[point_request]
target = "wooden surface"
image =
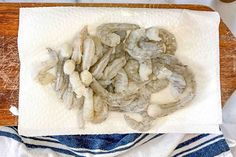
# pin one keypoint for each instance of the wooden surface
(9, 61)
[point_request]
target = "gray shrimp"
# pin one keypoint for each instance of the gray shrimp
(68, 97)
(163, 36)
(143, 125)
(77, 45)
(189, 91)
(43, 76)
(88, 109)
(100, 109)
(59, 74)
(113, 68)
(105, 83)
(88, 53)
(157, 85)
(121, 81)
(122, 34)
(132, 46)
(139, 104)
(113, 99)
(169, 41)
(98, 49)
(182, 80)
(61, 92)
(145, 69)
(98, 68)
(78, 102)
(107, 32)
(132, 68)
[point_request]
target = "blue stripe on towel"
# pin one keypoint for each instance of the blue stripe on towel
(211, 150)
(185, 143)
(10, 135)
(158, 135)
(198, 145)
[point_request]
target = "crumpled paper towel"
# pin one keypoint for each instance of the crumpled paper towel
(42, 113)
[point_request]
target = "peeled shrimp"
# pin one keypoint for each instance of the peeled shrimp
(68, 97)
(86, 77)
(145, 69)
(43, 76)
(143, 125)
(100, 109)
(106, 32)
(98, 68)
(132, 68)
(113, 68)
(98, 49)
(88, 110)
(137, 52)
(121, 81)
(88, 53)
(78, 45)
(77, 84)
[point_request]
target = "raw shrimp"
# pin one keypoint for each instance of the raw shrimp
(59, 74)
(100, 109)
(189, 91)
(143, 125)
(139, 104)
(43, 76)
(97, 69)
(88, 53)
(65, 51)
(106, 32)
(145, 69)
(164, 36)
(88, 109)
(113, 68)
(79, 102)
(98, 49)
(122, 34)
(131, 68)
(69, 66)
(113, 99)
(182, 80)
(135, 51)
(78, 45)
(61, 92)
(149, 45)
(86, 77)
(157, 85)
(152, 33)
(77, 84)
(105, 83)
(68, 97)
(169, 41)
(121, 81)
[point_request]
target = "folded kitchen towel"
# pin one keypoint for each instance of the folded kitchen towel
(120, 145)
(197, 34)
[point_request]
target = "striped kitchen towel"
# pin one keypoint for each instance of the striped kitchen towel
(191, 145)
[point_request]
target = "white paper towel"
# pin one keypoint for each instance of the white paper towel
(40, 111)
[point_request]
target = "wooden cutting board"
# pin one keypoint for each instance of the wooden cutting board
(9, 60)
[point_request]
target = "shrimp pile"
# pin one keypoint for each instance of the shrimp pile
(118, 69)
